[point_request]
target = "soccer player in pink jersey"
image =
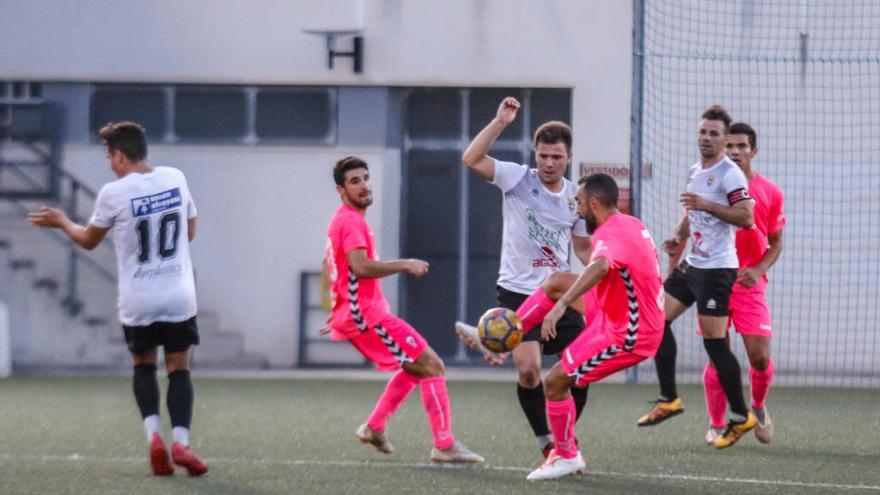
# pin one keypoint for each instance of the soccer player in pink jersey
(758, 249)
(627, 318)
(361, 315)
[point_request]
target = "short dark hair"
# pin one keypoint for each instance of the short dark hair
(346, 164)
(553, 132)
(602, 187)
(717, 112)
(128, 137)
(743, 128)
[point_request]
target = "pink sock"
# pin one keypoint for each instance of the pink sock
(561, 417)
(716, 401)
(760, 381)
(533, 310)
(436, 402)
(398, 389)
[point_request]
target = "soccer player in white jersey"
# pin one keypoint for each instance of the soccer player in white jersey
(540, 221)
(151, 218)
(717, 202)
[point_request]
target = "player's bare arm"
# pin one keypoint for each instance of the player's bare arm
(583, 248)
(191, 227)
(740, 214)
(680, 234)
(87, 237)
(591, 276)
(363, 266)
(476, 155)
(750, 276)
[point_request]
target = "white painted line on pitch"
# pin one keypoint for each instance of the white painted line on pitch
(426, 465)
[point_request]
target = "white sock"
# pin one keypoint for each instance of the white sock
(152, 424)
(543, 440)
(181, 435)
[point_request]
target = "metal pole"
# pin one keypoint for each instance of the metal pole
(635, 143)
(464, 206)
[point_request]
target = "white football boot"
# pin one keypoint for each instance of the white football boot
(557, 467)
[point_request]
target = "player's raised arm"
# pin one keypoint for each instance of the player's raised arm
(87, 237)
(476, 155)
(363, 266)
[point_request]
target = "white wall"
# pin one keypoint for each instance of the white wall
(583, 44)
(263, 214)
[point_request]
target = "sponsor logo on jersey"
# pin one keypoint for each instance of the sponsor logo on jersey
(159, 271)
(548, 259)
(155, 203)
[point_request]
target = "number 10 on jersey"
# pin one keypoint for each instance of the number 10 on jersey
(165, 239)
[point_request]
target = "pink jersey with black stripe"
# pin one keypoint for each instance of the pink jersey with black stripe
(752, 244)
(630, 295)
(357, 303)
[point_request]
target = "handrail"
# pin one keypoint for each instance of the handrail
(69, 204)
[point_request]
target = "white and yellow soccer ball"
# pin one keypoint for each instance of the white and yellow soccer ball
(500, 329)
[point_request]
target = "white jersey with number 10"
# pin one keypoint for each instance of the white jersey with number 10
(147, 215)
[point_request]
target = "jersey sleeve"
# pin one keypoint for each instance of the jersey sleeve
(736, 186)
(353, 235)
(776, 214)
(607, 247)
(191, 210)
(579, 228)
(106, 208)
(508, 174)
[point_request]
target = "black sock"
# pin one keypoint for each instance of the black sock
(532, 402)
(579, 394)
(665, 363)
(728, 374)
(180, 398)
(146, 389)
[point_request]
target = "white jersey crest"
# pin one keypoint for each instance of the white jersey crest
(147, 215)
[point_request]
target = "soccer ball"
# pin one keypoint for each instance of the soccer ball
(500, 329)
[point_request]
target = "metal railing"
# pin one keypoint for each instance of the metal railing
(72, 196)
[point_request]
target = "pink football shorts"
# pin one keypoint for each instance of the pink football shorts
(593, 356)
(390, 344)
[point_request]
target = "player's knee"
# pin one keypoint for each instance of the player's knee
(530, 376)
(556, 388)
(554, 285)
(434, 367)
(760, 362)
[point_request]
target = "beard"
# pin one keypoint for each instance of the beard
(592, 222)
(361, 201)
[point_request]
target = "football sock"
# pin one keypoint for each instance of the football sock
(716, 402)
(398, 389)
(664, 361)
(579, 394)
(180, 435)
(532, 402)
(180, 398)
(543, 440)
(760, 381)
(146, 389)
(533, 310)
(152, 425)
(435, 400)
(728, 371)
(561, 416)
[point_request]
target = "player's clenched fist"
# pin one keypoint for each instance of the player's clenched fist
(416, 267)
(507, 110)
